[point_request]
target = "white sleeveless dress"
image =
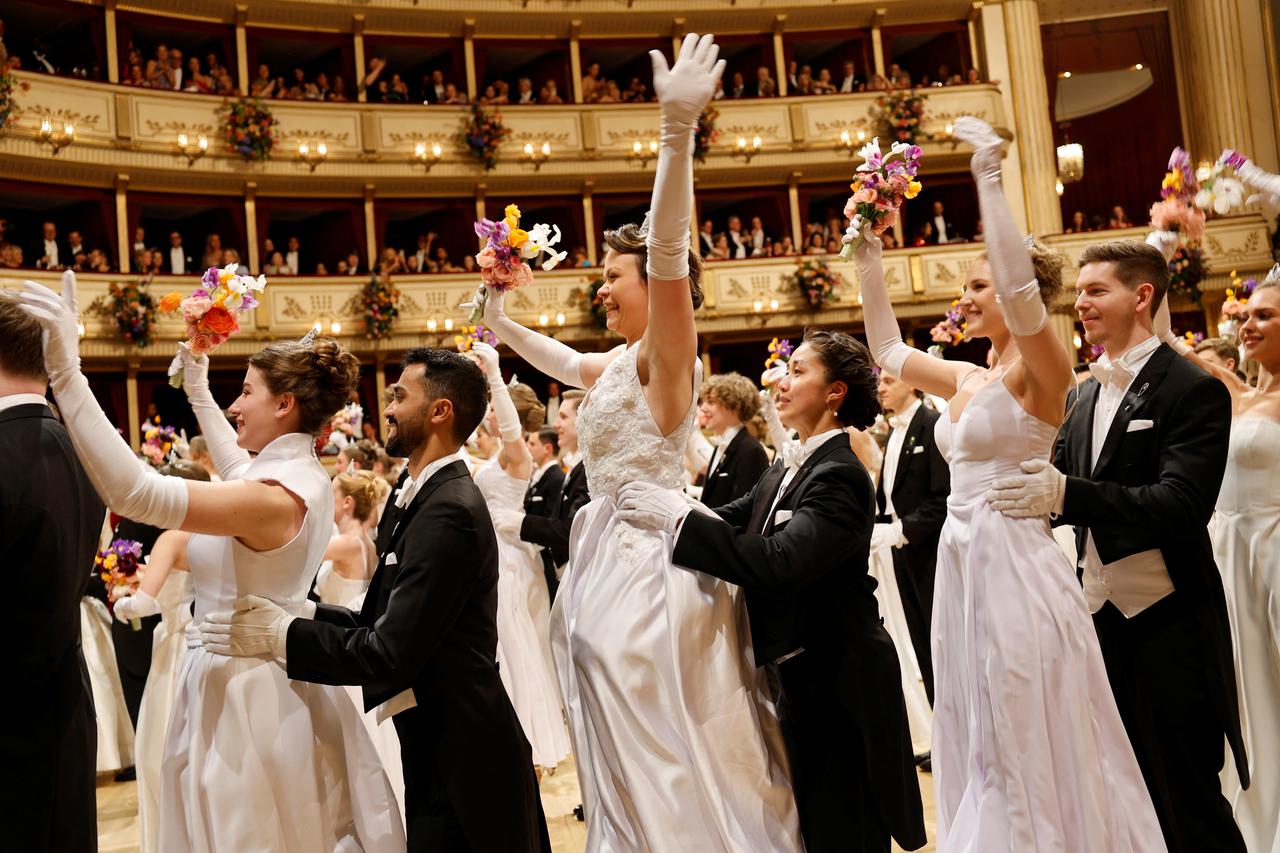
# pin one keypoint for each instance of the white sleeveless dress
(919, 714)
(168, 645)
(115, 729)
(252, 760)
(524, 631)
(676, 747)
(1246, 546)
(1029, 751)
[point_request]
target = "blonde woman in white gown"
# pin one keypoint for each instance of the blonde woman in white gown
(252, 761)
(674, 749)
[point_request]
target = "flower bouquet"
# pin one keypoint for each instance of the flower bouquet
(901, 115)
(816, 281)
(249, 128)
(472, 334)
(482, 134)
(120, 567)
(1233, 311)
(1177, 210)
(1222, 191)
(949, 331)
(381, 307)
(508, 248)
(1187, 268)
(775, 366)
(157, 443)
(342, 429)
(9, 109)
(212, 311)
(880, 186)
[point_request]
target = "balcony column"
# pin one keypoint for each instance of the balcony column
(131, 402)
(469, 58)
(877, 45)
(370, 231)
(357, 39)
(779, 53)
(481, 189)
(123, 245)
(972, 23)
(252, 257)
(1032, 116)
(1062, 319)
(793, 202)
(575, 60)
(242, 49)
(113, 46)
(589, 219)
(380, 389)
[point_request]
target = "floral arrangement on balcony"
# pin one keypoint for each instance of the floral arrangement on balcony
(949, 331)
(1177, 210)
(1187, 268)
(249, 128)
(9, 84)
(880, 186)
(131, 306)
(706, 134)
(816, 282)
(381, 302)
(901, 115)
(482, 134)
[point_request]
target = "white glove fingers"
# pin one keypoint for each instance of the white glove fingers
(702, 57)
(69, 290)
(688, 48)
(660, 67)
(717, 71)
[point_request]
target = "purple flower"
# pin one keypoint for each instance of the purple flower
(1233, 158)
(210, 279)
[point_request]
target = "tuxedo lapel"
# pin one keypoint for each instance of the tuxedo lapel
(828, 447)
(915, 431)
(1142, 389)
(769, 484)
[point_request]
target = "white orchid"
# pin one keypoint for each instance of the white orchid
(1204, 199)
(1228, 193)
(541, 238)
(898, 148)
(550, 263)
(872, 159)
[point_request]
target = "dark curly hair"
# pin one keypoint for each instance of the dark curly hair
(630, 239)
(847, 360)
(321, 376)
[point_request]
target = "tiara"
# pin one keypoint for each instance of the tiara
(1273, 276)
(1030, 241)
(307, 339)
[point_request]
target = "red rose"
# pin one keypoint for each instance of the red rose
(219, 321)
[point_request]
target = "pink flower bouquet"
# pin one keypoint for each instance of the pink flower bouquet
(880, 186)
(1177, 210)
(212, 311)
(504, 260)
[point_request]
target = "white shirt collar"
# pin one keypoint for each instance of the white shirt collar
(546, 466)
(571, 459)
(724, 438)
(11, 400)
(1135, 357)
(905, 416)
(407, 492)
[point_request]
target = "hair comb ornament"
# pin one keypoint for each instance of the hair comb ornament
(309, 338)
(1030, 242)
(644, 226)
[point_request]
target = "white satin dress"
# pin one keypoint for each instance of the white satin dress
(1246, 546)
(524, 630)
(1029, 751)
(252, 760)
(115, 729)
(919, 714)
(677, 748)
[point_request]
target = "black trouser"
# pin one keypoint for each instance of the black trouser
(1159, 668)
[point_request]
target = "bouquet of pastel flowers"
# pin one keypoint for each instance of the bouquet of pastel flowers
(158, 442)
(949, 331)
(120, 567)
(1177, 209)
(474, 334)
(504, 260)
(880, 186)
(212, 311)
(775, 366)
(1221, 191)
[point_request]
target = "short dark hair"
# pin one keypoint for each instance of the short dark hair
(1135, 263)
(549, 436)
(21, 353)
(451, 376)
(630, 239)
(847, 360)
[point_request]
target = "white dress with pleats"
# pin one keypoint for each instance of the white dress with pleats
(115, 729)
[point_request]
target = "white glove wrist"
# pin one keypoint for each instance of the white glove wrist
(136, 606)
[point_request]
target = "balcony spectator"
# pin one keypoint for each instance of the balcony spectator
(637, 92)
(341, 268)
(803, 85)
(196, 81)
(175, 70)
(292, 255)
(433, 88)
(1079, 223)
(739, 244)
(53, 256)
(612, 94)
(139, 239)
(707, 237)
(11, 256)
(136, 77)
(411, 265)
(924, 235)
(757, 238)
(443, 264)
(549, 95)
(793, 75)
(212, 252)
(489, 96)
(276, 265)
(764, 86)
(212, 63)
(230, 256)
(469, 264)
(578, 258)
(899, 78)
(972, 77)
(718, 94)
(590, 83)
(297, 89)
(737, 86)
(720, 252)
(504, 92)
(339, 90)
(376, 66)
(452, 96)
(263, 86)
(823, 85)
(179, 262)
(943, 229)
(423, 253)
(849, 83)
(323, 87)
(353, 263)
(321, 269)
(390, 263)
(817, 244)
(888, 240)
(75, 243)
(1118, 218)
(880, 83)
(397, 91)
(524, 91)
(158, 69)
(97, 261)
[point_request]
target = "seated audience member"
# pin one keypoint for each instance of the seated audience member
(720, 252)
(276, 265)
(339, 90)
(549, 95)
(452, 95)
(590, 83)
(353, 263)
(764, 85)
(1079, 223)
(1119, 219)
(321, 269)
(524, 92)
(823, 85)
(817, 244)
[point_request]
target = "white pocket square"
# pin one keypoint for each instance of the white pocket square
(391, 559)
(537, 498)
(917, 449)
(782, 516)
(1138, 425)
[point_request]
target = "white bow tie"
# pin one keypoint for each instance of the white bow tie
(794, 455)
(899, 422)
(403, 494)
(1111, 373)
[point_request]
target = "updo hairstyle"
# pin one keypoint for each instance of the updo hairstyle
(845, 359)
(320, 376)
(630, 239)
(366, 488)
(530, 410)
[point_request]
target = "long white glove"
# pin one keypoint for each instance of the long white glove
(507, 521)
(683, 91)
(778, 435)
(1260, 179)
(499, 397)
(547, 355)
(135, 606)
(652, 507)
(227, 456)
(887, 535)
(1039, 493)
(254, 628)
(1011, 269)
(877, 310)
(1162, 321)
(131, 488)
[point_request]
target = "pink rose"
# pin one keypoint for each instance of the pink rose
(523, 275)
(502, 274)
(217, 339)
(194, 307)
(487, 258)
(866, 195)
(201, 344)
(850, 208)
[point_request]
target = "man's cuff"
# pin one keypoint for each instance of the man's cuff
(282, 635)
(1060, 500)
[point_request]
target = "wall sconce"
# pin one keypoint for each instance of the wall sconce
(1070, 162)
(763, 308)
(851, 143)
(643, 153)
(747, 148)
(313, 156)
(54, 139)
(544, 319)
(434, 325)
(192, 150)
(536, 155)
(80, 330)
(427, 155)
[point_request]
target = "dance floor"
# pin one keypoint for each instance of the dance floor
(118, 812)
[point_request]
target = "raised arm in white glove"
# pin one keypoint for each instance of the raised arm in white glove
(499, 397)
(547, 355)
(1162, 321)
(135, 606)
(778, 435)
(1039, 492)
(228, 457)
(131, 488)
(1267, 184)
(877, 311)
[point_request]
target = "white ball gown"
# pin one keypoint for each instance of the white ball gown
(115, 729)
(675, 746)
(919, 714)
(252, 760)
(1029, 751)
(168, 645)
(524, 631)
(1246, 546)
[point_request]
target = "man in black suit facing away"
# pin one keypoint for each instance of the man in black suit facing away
(424, 644)
(727, 401)
(542, 499)
(1136, 470)
(911, 500)
(50, 518)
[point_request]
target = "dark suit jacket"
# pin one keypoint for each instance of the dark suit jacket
(552, 532)
(1156, 488)
(920, 489)
(428, 623)
(952, 234)
(738, 466)
(807, 587)
(167, 265)
(50, 517)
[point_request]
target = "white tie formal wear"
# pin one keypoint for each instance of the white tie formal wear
(177, 260)
(889, 475)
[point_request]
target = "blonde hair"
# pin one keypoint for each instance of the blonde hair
(531, 411)
(366, 488)
(735, 392)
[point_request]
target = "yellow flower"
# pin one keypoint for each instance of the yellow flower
(170, 302)
(110, 562)
(512, 214)
(517, 238)
(913, 189)
(224, 276)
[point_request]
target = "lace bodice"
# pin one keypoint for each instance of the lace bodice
(620, 442)
(500, 489)
(1250, 486)
(224, 569)
(992, 437)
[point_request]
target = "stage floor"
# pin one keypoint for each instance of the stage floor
(118, 812)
